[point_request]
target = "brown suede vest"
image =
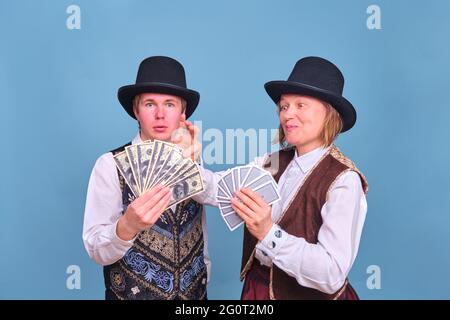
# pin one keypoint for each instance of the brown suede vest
(302, 218)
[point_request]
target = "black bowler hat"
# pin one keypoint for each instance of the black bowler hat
(319, 78)
(159, 75)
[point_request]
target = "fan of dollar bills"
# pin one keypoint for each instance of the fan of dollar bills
(152, 163)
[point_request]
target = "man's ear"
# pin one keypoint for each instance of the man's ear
(135, 111)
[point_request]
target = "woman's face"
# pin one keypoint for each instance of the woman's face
(302, 119)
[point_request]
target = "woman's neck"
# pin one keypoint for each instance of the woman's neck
(308, 147)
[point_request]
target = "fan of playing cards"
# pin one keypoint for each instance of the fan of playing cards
(152, 163)
(252, 177)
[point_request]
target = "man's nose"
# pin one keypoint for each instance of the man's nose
(159, 112)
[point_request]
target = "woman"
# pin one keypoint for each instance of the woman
(303, 246)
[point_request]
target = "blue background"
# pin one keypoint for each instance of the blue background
(59, 112)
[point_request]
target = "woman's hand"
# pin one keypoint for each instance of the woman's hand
(256, 213)
(186, 138)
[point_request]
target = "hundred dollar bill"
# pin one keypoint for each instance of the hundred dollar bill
(175, 171)
(164, 152)
(174, 157)
(125, 170)
(182, 174)
(186, 188)
(156, 148)
(144, 155)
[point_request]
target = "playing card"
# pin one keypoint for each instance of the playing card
(228, 179)
(259, 182)
(233, 221)
(253, 174)
(269, 193)
(222, 186)
(221, 193)
(243, 171)
(236, 179)
(226, 209)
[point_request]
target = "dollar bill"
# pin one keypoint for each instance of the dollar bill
(186, 188)
(144, 156)
(134, 162)
(156, 149)
(164, 152)
(174, 159)
(125, 170)
(187, 170)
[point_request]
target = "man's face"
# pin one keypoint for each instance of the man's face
(159, 115)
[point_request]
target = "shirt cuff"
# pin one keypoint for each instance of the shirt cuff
(120, 242)
(272, 242)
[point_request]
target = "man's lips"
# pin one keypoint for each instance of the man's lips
(159, 128)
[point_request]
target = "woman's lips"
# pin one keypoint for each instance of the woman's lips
(159, 128)
(290, 128)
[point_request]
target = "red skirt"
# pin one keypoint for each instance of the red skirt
(257, 281)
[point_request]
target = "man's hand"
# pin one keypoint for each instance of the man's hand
(186, 137)
(143, 212)
(256, 213)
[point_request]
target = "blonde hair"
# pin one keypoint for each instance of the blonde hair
(332, 126)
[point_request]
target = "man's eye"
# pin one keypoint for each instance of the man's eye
(283, 108)
(300, 105)
(149, 105)
(170, 105)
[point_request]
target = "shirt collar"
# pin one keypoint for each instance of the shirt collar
(309, 159)
(137, 139)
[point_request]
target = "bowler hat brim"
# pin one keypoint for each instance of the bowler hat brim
(127, 93)
(345, 109)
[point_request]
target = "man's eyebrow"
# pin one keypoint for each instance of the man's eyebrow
(152, 100)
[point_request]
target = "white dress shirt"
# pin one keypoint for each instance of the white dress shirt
(103, 210)
(323, 266)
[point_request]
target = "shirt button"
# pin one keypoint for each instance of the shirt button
(278, 233)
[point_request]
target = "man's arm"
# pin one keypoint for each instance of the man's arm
(107, 234)
(102, 212)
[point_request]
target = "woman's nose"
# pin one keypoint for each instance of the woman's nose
(289, 112)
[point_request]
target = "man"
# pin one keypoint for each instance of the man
(148, 252)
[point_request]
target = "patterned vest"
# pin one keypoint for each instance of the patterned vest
(302, 218)
(166, 262)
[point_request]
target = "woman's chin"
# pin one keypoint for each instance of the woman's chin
(292, 141)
